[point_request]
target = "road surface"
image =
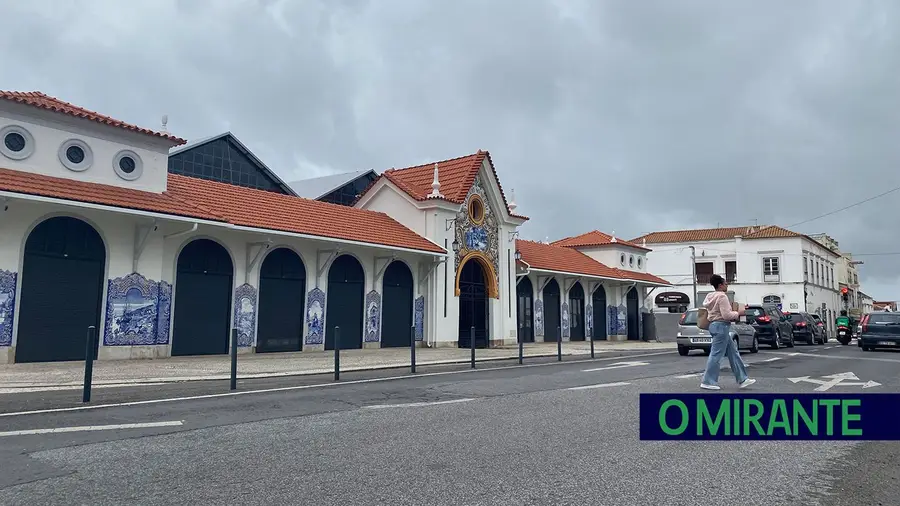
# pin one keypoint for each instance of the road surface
(499, 435)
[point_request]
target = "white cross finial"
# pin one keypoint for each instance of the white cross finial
(613, 237)
(512, 200)
(435, 185)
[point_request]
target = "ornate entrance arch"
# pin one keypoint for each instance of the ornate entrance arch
(490, 275)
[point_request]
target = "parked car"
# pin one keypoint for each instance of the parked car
(771, 325)
(804, 327)
(820, 324)
(691, 337)
(880, 329)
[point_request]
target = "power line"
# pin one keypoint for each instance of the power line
(845, 208)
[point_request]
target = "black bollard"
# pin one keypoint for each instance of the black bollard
(559, 343)
(592, 344)
(472, 344)
(234, 348)
(412, 349)
(337, 353)
(521, 344)
(88, 364)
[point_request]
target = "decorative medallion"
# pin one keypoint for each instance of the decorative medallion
(7, 305)
(245, 314)
(565, 319)
(373, 317)
(131, 316)
(164, 313)
(477, 239)
(419, 318)
(538, 317)
(315, 316)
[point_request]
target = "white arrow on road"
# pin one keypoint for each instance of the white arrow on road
(617, 365)
(844, 379)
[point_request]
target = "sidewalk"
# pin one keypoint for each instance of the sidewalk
(265, 365)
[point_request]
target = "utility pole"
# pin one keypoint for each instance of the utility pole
(694, 273)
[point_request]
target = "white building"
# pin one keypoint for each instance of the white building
(761, 264)
(847, 275)
(866, 303)
(164, 249)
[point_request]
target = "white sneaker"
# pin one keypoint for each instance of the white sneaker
(710, 387)
(747, 382)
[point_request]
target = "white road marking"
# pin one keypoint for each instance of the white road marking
(835, 380)
(771, 359)
(306, 387)
(845, 357)
(91, 428)
(600, 385)
(417, 404)
(617, 365)
(28, 390)
(686, 376)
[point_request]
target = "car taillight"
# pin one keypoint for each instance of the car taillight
(764, 319)
(865, 323)
(801, 324)
(820, 324)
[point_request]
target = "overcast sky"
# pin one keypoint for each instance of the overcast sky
(626, 116)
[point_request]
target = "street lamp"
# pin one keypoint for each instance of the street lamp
(518, 255)
(455, 246)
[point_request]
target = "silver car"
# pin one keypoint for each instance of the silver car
(690, 337)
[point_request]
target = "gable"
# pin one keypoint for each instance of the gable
(225, 160)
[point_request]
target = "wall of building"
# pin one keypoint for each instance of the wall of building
(628, 259)
(401, 208)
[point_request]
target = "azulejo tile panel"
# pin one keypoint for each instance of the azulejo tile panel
(622, 320)
(245, 297)
(373, 317)
(589, 320)
(612, 320)
(538, 317)
(164, 313)
(7, 305)
(131, 311)
(315, 317)
(565, 319)
(481, 237)
(419, 317)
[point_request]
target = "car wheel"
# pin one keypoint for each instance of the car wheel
(737, 344)
(866, 348)
(776, 343)
(683, 350)
(754, 348)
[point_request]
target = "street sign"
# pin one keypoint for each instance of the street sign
(844, 379)
(794, 305)
(617, 365)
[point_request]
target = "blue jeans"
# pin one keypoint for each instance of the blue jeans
(723, 345)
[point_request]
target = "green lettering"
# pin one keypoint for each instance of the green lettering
(752, 418)
(829, 416)
(812, 424)
(846, 417)
(737, 416)
(684, 417)
(705, 420)
(779, 418)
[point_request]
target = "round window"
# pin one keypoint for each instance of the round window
(128, 165)
(622, 259)
(476, 209)
(640, 262)
(16, 143)
(76, 155)
(631, 260)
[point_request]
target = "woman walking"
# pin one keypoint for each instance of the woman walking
(721, 315)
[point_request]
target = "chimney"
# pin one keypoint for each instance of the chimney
(435, 186)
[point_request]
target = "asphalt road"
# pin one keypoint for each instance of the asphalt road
(501, 435)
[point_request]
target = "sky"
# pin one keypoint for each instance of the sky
(617, 115)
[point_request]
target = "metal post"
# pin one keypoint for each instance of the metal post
(337, 353)
(472, 344)
(521, 344)
(592, 343)
(559, 343)
(234, 347)
(694, 273)
(88, 364)
(412, 349)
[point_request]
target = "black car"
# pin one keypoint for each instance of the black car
(771, 325)
(820, 324)
(804, 327)
(880, 330)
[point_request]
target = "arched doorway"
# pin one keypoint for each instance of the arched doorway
(282, 297)
(344, 302)
(576, 312)
(551, 311)
(396, 306)
(524, 309)
(63, 274)
(204, 282)
(598, 301)
(633, 315)
(473, 305)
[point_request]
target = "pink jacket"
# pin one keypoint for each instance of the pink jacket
(718, 307)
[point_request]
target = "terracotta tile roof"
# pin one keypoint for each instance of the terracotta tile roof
(717, 234)
(642, 276)
(93, 193)
(455, 175)
(38, 99)
(262, 209)
(593, 238)
(561, 259)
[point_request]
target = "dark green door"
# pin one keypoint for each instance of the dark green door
(344, 302)
(282, 295)
(633, 315)
(473, 306)
(598, 300)
(525, 310)
(203, 287)
(576, 312)
(62, 286)
(397, 306)
(551, 311)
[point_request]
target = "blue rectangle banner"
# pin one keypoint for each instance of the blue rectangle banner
(778, 417)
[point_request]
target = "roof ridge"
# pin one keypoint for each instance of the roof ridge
(426, 164)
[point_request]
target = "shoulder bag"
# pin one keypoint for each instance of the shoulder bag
(703, 318)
